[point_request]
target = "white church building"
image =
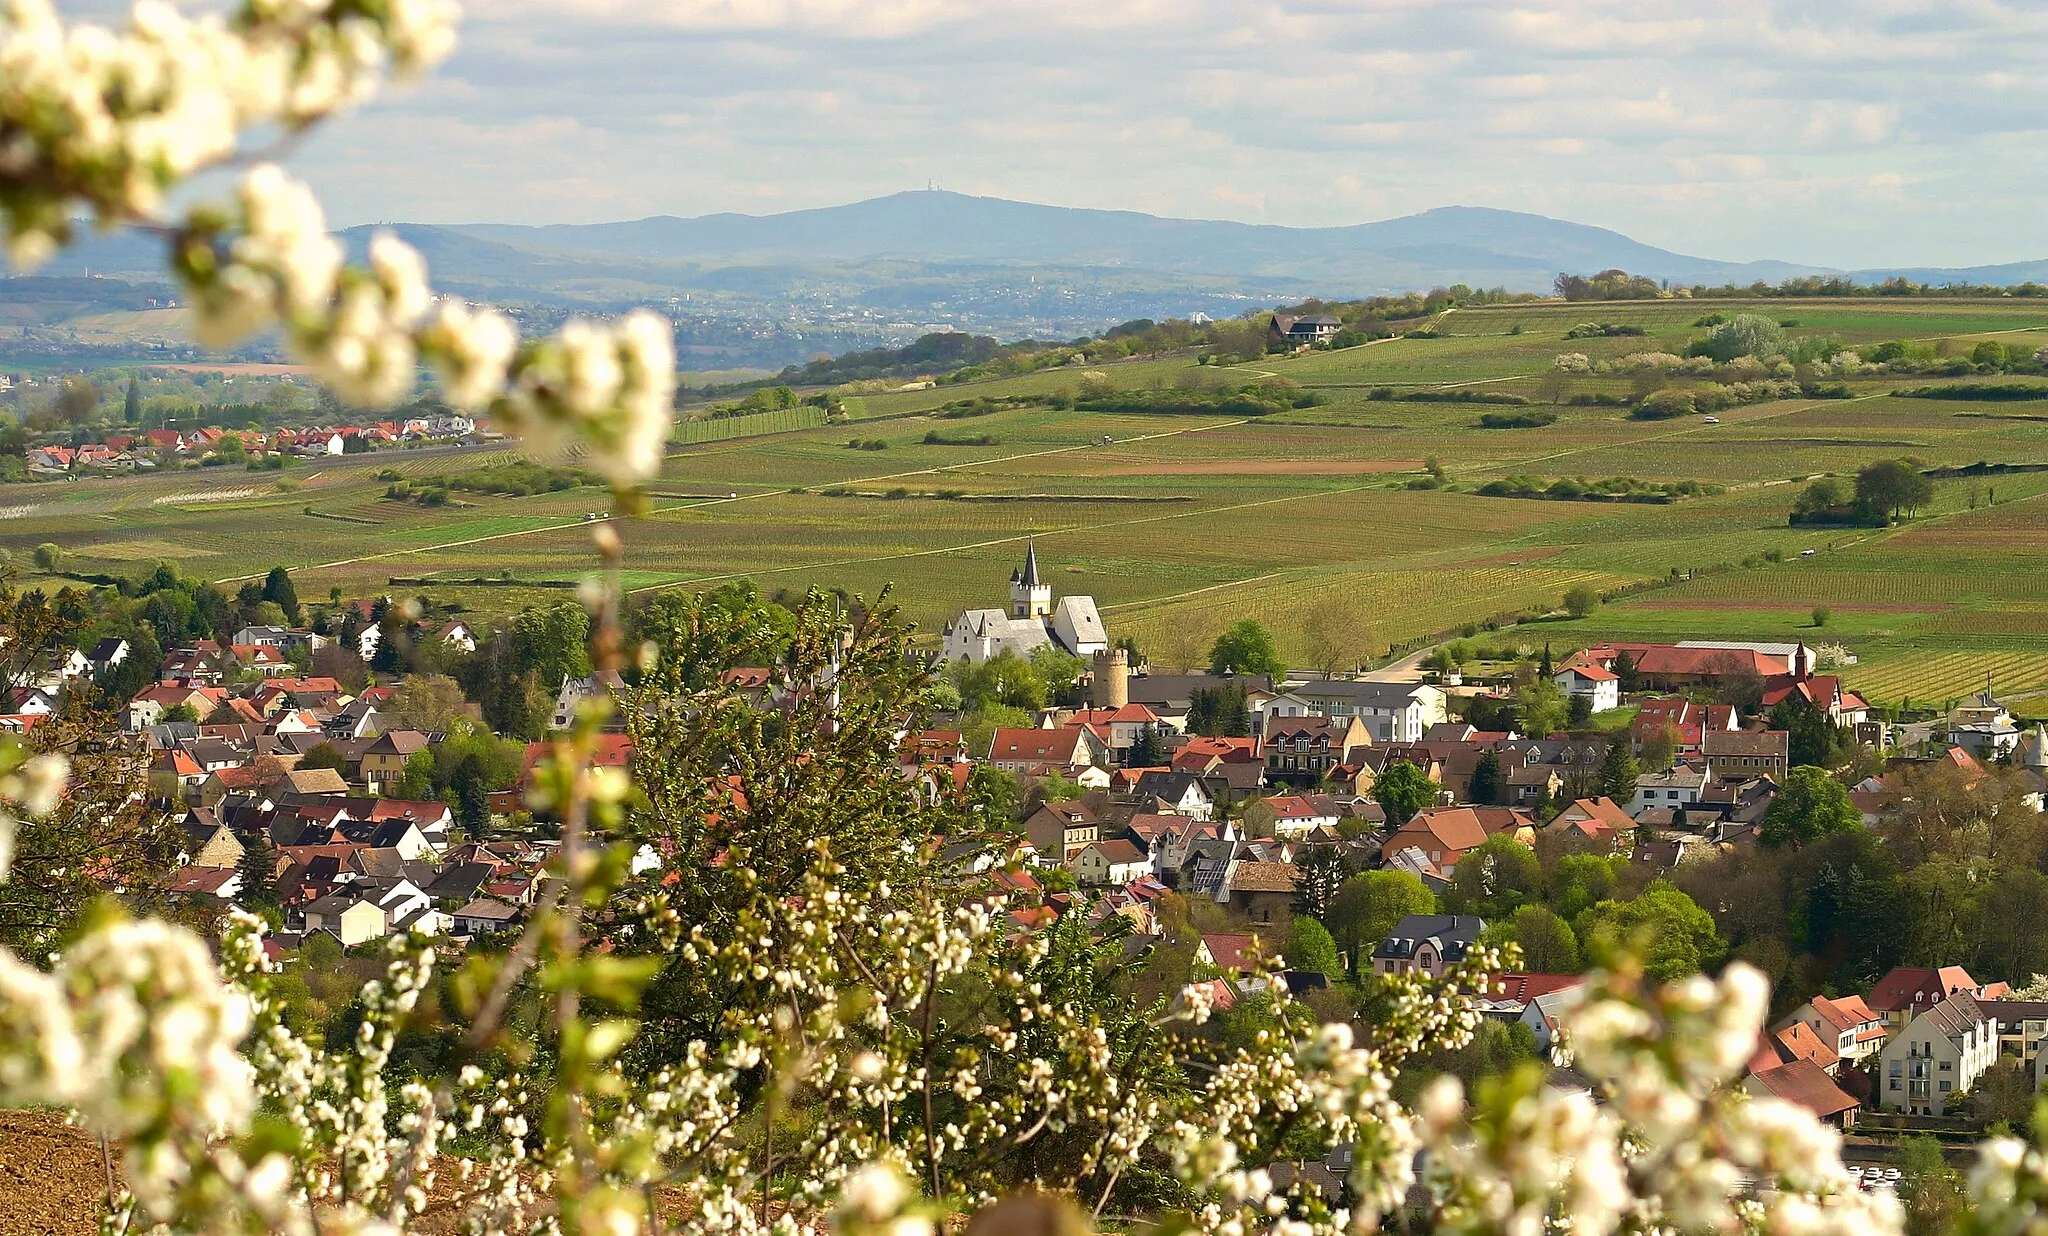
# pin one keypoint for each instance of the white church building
(1034, 620)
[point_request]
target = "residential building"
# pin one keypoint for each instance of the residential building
(1596, 818)
(1110, 862)
(1288, 330)
(1599, 687)
(1303, 749)
(1391, 711)
(1427, 942)
(1938, 1056)
(1983, 727)
(1036, 753)
(1805, 1084)
(1846, 1023)
(1060, 829)
(1674, 790)
(1908, 991)
(1746, 754)
(1443, 835)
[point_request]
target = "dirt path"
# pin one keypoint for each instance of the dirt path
(51, 1181)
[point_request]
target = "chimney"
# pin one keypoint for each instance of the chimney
(1112, 685)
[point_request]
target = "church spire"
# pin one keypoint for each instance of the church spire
(1030, 579)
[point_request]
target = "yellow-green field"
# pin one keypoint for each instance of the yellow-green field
(1180, 524)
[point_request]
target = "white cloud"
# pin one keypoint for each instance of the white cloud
(1749, 128)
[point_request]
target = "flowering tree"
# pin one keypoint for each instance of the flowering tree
(800, 1010)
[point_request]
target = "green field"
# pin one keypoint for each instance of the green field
(1180, 524)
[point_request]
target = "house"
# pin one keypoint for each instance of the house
(1508, 995)
(1599, 687)
(1597, 818)
(350, 918)
(384, 760)
(1233, 954)
(1938, 1056)
(1110, 862)
(1825, 692)
(1037, 753)
(1695, 663)
(1684, 722)
(1746, 754)
(1033, 621)
(1850, 1026)
(107, 654)
(1304, 749)
(1392, 711)
(1674, 790)
(1907, 991)
(1427, 942)
(1181, 793)
(1059, 830)
(484, 916)
(1545, 1014)
(1262, 891)
(1297, 815)
(1120, 727)
(1804, 1084)
(1982, 726)
(1443, 835)
(574, 691)
(149, 705)
(1287, 330)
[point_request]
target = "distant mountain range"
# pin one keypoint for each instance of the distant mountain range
(845, 276)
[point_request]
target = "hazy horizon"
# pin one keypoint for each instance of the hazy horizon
(1873, 134)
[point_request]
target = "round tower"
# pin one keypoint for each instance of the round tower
(1112, 685)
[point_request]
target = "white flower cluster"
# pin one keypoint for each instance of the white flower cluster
(29, 786)
(1676, 1146)
(136, 1031)
(114, 120)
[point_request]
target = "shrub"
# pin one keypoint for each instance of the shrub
(1664, 405)
(1516, 420)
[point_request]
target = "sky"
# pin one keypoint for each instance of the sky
(1819, 131)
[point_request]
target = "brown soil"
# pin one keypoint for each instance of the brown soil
(1266, 467)
(51, 1182)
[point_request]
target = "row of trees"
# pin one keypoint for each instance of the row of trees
(1883, 492)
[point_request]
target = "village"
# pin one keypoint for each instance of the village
(145, 450)
(1310, 830)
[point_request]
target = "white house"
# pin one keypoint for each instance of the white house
(1033, 621)
(1939, 1055)
(1111, 862)
(1679, 788)
(1600, 687)
(1391, 711)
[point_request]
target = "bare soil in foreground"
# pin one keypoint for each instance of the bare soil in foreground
(51, 1181)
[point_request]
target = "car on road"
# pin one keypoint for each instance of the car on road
(1713, 420)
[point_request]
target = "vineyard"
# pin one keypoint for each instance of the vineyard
(1358, 507)
(1938, 678)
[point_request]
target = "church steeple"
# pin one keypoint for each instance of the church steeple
(1029, 597)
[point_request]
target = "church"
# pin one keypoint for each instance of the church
(1033, 621)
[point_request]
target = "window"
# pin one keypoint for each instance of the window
(1895, 1083)
(1944, 1066)
(1944, 1087)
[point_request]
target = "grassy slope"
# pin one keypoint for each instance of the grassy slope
(1290, 518)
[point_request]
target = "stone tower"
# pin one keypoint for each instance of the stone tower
(1112, 685)
(1029, 596)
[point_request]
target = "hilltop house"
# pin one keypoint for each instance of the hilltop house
(1034, 621)
(1287, 330)
(1601, 688)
